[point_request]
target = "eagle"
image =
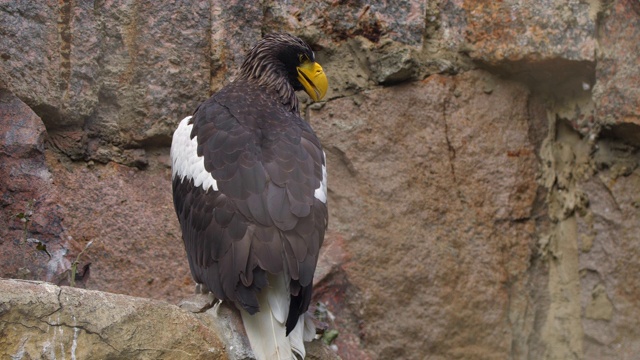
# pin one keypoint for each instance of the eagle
(249, 184)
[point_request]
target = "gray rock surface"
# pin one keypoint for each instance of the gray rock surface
(43, 321)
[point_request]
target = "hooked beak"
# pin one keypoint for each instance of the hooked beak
(313, 79)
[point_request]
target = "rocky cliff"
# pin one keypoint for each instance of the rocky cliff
(483, 162)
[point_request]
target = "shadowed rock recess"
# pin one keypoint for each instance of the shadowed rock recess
(483, 159)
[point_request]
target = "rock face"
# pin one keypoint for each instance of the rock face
(483, 162)
(31, 213)
(616, 96)
(514, 30)
(412, 166)
(44, 321)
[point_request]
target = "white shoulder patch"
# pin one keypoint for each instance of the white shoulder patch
(321, 192)
(185, 161)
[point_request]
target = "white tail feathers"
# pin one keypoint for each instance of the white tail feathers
(266, 329)
(300, 334)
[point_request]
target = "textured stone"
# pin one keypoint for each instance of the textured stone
(610, 249)
(397, 20)
(616, 94)
(236, 27)
(29, 212)
(153, 68)
(128, 215)
(413, 194)
(30, 55)
(125, 72)
(43, 321)
(512, 30)
(22, 131)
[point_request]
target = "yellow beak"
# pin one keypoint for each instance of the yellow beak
(313, 79)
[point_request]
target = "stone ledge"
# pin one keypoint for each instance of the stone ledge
(40, 320)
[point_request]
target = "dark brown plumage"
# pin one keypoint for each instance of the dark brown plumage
(264, 210)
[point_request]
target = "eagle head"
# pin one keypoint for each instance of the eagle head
(285, 64)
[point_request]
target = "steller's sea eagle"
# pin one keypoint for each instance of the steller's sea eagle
(250, 191)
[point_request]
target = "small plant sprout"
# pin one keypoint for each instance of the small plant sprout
(74, 265)
(25, 218)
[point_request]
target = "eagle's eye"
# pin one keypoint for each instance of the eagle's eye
(302, 58)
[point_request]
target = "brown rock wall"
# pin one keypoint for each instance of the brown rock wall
(31, 213)
(414, 195)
